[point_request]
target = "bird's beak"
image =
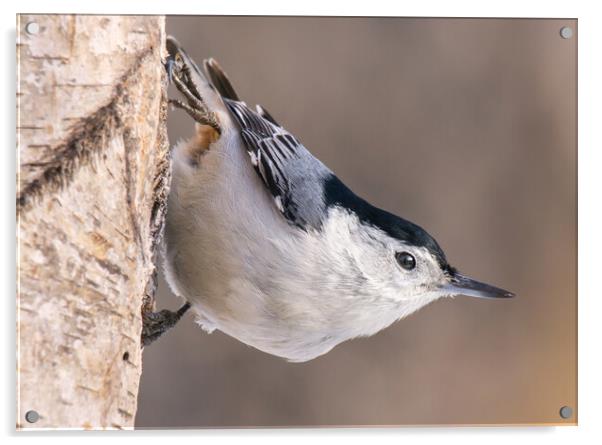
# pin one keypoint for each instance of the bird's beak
(462, 285)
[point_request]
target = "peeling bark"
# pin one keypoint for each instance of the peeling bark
(92, 185)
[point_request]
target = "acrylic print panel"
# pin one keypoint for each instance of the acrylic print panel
(466, 127)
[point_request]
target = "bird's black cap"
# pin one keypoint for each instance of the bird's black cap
(338, 194)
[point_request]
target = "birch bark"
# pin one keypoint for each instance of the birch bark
(93, 174)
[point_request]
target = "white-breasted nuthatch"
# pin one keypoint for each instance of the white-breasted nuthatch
(266, 244)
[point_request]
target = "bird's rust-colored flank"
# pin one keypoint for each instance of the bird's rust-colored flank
(204, 136)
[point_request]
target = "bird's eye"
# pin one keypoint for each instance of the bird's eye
(406, 260)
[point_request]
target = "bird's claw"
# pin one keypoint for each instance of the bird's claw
(155, 324)
(178, 72)
(169, 67)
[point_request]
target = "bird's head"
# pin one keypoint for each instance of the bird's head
(398, 262)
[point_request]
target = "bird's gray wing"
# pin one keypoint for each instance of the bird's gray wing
(291, 174)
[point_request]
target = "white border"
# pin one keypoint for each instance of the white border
(590, 221)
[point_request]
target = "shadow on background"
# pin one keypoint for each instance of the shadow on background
(466, 127)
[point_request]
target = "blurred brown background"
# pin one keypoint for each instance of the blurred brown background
(467, 127)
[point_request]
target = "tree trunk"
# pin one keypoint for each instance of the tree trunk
(92, 182)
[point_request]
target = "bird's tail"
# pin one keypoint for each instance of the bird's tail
(220, 80)
(224, 87)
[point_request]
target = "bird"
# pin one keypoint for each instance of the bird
(266, 244)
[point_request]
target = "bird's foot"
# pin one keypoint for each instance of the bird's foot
(179, 72)
(155, 324)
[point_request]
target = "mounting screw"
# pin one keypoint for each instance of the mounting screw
(32, 416)
(566, 32)
(32, 28)
(566, 412)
